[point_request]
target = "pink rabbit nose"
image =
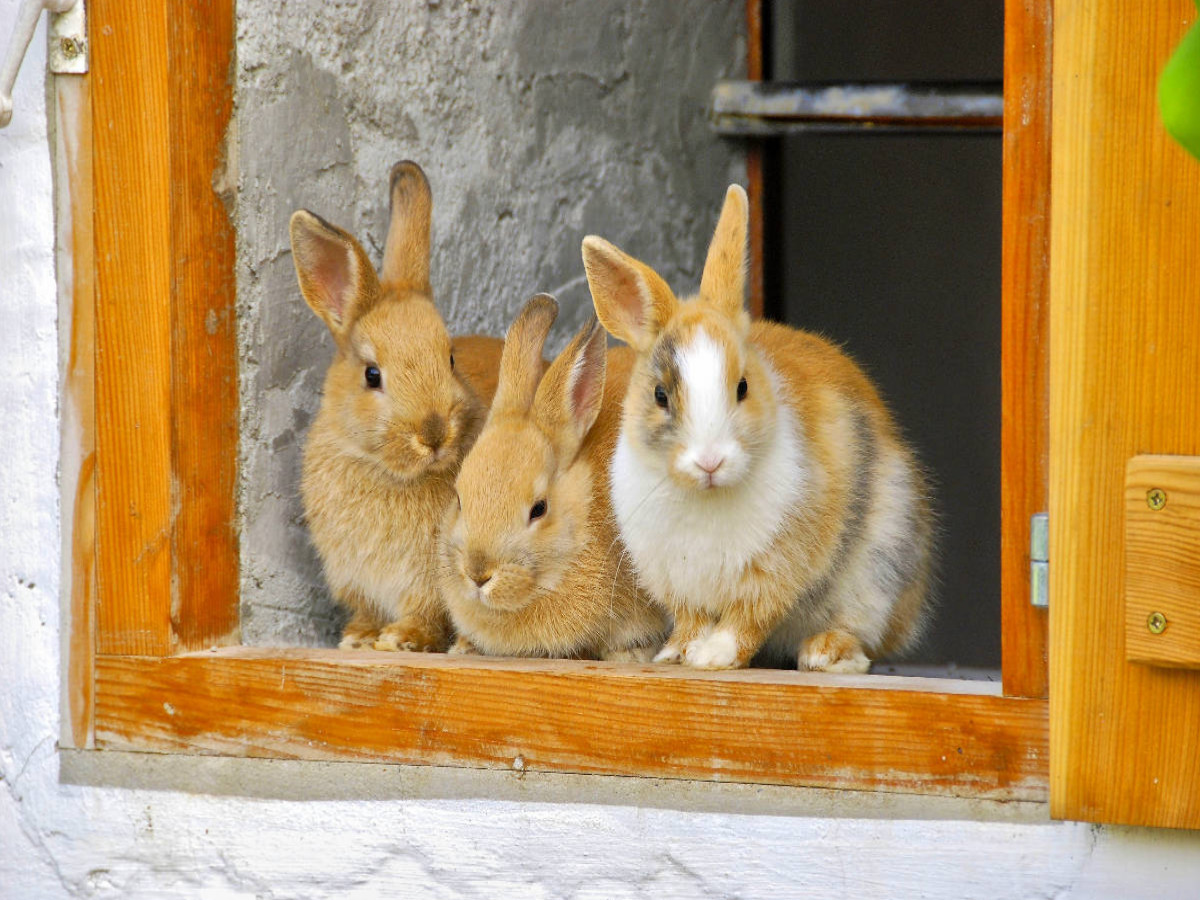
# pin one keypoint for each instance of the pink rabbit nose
(710, 464)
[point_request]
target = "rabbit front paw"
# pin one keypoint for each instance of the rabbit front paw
(833, 651)
(716, 650)
(671, 653)
(405, 636)
(463, 647)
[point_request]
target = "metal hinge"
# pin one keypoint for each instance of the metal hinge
(68, 50)
(68, 44)
(1039, 560)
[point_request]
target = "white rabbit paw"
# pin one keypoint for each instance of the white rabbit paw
(716, 650)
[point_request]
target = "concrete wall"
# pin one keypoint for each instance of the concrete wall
(104, 825)
(537, 123)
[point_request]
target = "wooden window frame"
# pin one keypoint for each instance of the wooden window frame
(153, 661)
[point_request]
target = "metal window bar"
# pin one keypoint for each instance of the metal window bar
(769, 109)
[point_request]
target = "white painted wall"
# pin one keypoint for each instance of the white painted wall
(190, 828)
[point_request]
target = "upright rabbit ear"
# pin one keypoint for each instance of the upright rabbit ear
(569, 397)
(336, 278)
(724, 281)
(406, 252)
(521, 359)
(631, 299)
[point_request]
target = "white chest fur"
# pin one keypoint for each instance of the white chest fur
(693, 546)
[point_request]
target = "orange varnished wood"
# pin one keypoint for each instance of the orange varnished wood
(754, 163)
(166, 342)
(1162, 560)
(77, 459)
(1024, 343)
(204, 386)
(1124, 320)
(760, 726)
(135, 506)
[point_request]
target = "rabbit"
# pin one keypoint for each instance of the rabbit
(402, 403)
(761, 486)
(531, 563)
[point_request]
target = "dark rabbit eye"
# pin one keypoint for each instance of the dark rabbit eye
(451, 362)
(660, 396)
(538, 510)
(741, 390)
(374, 377)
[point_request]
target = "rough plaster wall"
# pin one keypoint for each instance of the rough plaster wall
(72, 840)
(537, 123)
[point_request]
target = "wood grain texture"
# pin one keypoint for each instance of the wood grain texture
(755, 50)
(204, 386)
(1025, 292)
(904, 735)
(1124, 320)
(166, 343)
(131, 168)
(75, 268)
(1162, 560)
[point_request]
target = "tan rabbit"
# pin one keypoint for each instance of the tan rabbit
(531, 561)
(397, 416)
(760, 484)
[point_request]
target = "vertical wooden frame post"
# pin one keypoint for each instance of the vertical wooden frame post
(165, 343)
(1025, 293)
(1125, 249)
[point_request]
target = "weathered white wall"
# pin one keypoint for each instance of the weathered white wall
(102, 825)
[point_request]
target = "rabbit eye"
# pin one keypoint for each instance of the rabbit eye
(660, 396)
(451, 362)
(374, 377)
(538, 510)
(741, 390)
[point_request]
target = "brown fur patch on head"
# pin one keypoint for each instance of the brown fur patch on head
(512, 468)
(423, 415)
(661, 436)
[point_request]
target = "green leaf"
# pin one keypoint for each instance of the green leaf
(1179, 92)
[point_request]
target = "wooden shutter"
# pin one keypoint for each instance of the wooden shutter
(1124, 382)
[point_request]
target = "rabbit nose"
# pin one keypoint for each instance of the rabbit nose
(478, 569)
(710, 464)
(433, 431)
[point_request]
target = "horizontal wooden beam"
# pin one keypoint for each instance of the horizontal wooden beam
(910, 735)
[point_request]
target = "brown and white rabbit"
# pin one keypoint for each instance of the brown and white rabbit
(399, 412)
(760, 484)
(532, 565)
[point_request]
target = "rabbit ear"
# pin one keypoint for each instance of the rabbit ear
(406, 252)
(521, 360)
(568, 399)
(631, 299)
(724, 280)
(335, 276)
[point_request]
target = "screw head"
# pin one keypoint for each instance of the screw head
(1156, 498)
(1156, 623)
(70, 47)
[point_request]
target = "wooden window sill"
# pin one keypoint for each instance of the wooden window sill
(900, 734)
